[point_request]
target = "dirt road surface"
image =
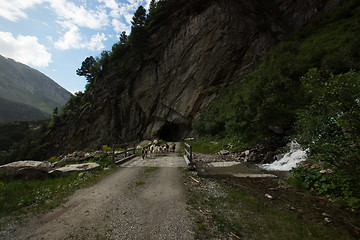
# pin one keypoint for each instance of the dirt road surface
(135, 202)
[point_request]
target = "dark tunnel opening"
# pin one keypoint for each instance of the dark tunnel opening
(173, 132)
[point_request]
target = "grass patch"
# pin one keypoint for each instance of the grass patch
(143, 175)
(208, 146)
(205, 146)
(224, 210)
(150, 169)
(19, 196)
(103, 159)
(138, 183)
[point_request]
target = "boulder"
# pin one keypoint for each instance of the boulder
(269, 157)
(69, 169)
(277, 130)
(253, 157)
(224, 152)
(27, 168)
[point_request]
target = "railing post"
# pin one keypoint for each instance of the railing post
(190, 150)
(188, 155)
(113, 154)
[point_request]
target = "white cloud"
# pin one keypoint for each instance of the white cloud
(74, 16)
(123, 10)
(65, 10)
(120, 26)
(71, 39)
(96, 42)
(113, 5)
(25, 49)
(78, 15)
(15, 9)
(74, 39)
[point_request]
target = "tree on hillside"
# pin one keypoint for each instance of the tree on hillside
(85, 69)
(123, 37)
(139, 35)
(152, 8)
(152, 5)
(139, 18)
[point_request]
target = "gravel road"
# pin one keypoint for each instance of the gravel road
(134, 202)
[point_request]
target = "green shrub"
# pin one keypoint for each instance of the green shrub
(106, 148)
(329, 125)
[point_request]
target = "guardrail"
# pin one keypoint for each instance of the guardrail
(127, 155)
(188, 156)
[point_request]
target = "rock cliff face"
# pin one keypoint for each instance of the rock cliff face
(214, 48)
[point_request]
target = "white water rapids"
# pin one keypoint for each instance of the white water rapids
(289, 160)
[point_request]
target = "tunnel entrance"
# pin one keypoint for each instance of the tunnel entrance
(173, 132)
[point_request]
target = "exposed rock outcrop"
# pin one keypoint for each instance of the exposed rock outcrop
(26, 168)
(38, 169)
(69, 169)
(214, 48)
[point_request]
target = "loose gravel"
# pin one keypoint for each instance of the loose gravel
(131, 203)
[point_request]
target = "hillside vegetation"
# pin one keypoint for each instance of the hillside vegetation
(308, 87)
(13, 111)
(21, 140)
(22, 84)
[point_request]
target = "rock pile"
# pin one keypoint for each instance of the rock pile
(258, 155)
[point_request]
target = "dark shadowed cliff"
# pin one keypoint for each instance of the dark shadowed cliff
(215, 46)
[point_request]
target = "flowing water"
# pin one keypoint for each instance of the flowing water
(280, 168)
(290, 159)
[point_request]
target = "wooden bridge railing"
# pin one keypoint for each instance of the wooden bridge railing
(127, 155)
(188, 155)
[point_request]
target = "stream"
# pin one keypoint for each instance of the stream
(279, 168)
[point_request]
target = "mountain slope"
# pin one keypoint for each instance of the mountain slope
(157, 90)
(13, 111)
(22, 84)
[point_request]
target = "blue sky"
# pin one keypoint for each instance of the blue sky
(55, 36)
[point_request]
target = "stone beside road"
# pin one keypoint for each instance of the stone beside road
(69, 169)
(26, 168)
(37, 169)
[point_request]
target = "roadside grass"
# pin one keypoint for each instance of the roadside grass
(140, 181)
(21, 196)
(207, 146)
(204, 146)
(150, 169)
(181, 150)
(234, 213)
(104, 160)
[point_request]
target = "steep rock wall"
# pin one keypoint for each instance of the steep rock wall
(214, 48)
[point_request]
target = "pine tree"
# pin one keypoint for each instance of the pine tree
(85, 69)
(139, 18)
(139, 35)
(123, 37)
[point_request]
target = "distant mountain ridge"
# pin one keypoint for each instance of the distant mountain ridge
(20, 83)
(11, 111)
